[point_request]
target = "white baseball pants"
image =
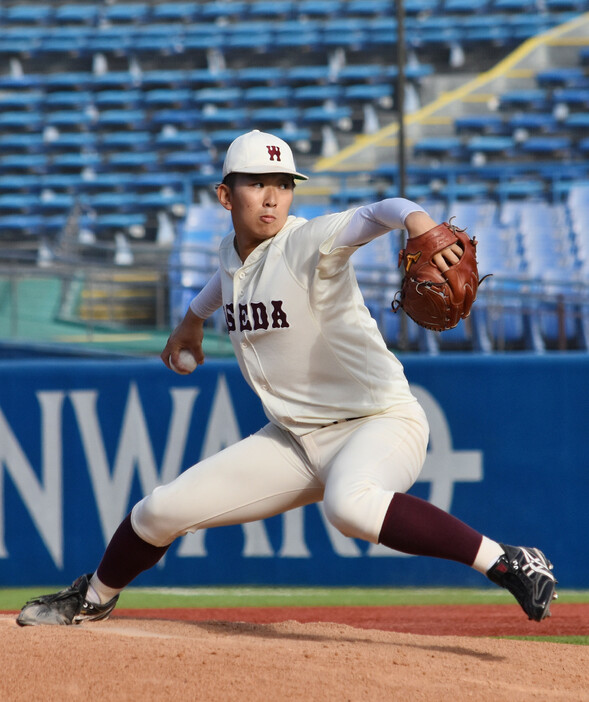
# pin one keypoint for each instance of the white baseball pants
(355, 467)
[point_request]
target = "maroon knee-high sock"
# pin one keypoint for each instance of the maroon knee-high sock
(126, 556)
(414, 526)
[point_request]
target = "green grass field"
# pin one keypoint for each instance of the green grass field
(245, 596)
(12, 599)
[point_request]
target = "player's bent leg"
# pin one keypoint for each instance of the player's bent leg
(256, 478)
(383, 456)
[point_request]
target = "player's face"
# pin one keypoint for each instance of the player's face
(259, 206)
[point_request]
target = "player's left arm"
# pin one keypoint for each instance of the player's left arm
(371, 221)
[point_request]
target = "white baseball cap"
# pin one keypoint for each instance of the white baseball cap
(258, 152)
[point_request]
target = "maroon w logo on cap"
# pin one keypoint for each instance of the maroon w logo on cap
(274, 152)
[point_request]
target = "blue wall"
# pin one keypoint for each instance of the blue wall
(81, 441)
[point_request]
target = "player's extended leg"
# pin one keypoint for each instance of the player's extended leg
(365, 498)
(256, 478)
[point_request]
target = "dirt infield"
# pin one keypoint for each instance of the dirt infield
(302, 654)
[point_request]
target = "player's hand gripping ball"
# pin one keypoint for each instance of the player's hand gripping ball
(186, 363)
(434, 299)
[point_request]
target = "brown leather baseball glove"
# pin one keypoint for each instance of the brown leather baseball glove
(433, 299)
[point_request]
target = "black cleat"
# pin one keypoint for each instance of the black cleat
(66, 607)
(527, 574)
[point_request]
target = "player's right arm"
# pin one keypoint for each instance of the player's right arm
(189, 333)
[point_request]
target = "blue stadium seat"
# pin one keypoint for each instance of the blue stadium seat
(266, 95)
(306, 40)
(126, 12)
(25, 203)
(251, 76)
(266, 116)
(77, 13)
(363, 72)
(164, 79)
(15, 47)
(109, 201)
(70, 46)
(537, 121)
(482, 124)
(186, 159)
(77, 119)
(75, 161)
(464, 6)
(514, 5)
(560, 76)
(370, 8)
(160, 200)
(380, 93)
(118, 98)
(350, 40)
(134, 221)
(219, 9)
(104, 44)
(30, 100)
(154, 44)
(184, 118)
(449, 146)
(519, 188)
(176, 138)
(26, 225)
(125, 140)
(316, 93)
(415, 7)
(308, 74)
(578, 120)
(76, 99)
(271, 9)
(132, 119)
(169, 97)
(337, 115)
(27, 14)
(176, 11)
(121, 80)
(34, 163)
(20, 120)
(72, 80)
(576, 97)
(51, 202)
(551, 145)
(218, 96)
(133, 159)
(235, 117)
(27, 141)
(67, 141)
(248, 40)
(532, 99)
(319, 8)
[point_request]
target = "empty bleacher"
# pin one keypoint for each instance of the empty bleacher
(123, 110)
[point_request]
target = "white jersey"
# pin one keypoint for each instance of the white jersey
(303, 338)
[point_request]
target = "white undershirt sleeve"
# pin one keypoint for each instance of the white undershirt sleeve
(209, 299)
(376, 219)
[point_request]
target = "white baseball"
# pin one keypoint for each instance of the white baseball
(186, 363)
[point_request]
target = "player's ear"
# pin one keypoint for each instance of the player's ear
(224, 195)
